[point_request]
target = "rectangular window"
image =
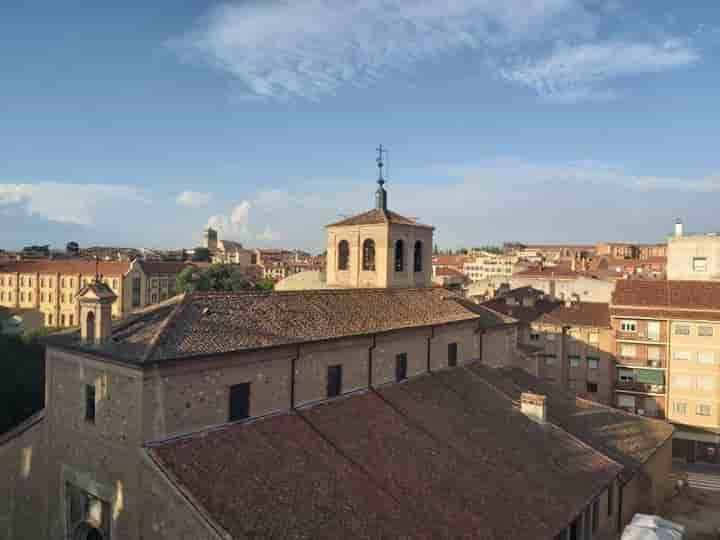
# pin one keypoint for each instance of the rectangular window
(653, 353)
(680, 408)
(628, 351)
(628, 326)
(452, 354)
(90, 403)
(626, 402)
(703, 409)
(62, 319)
(534, 336)
(682, 329)
(626, 375)
(550, 359)
(681, 356)
(699, 264)
(50, 319)
(334, 381)
(136, 292)
(401, 367)
(70, 320)
(653, 330)
(239, 402)
(592, 387)
(593, 338)
(705, 331)
(706, 384)
(574, 361)
(610, 499)
(681, 382)
(593, 363)
(706, 357)
(595, 515)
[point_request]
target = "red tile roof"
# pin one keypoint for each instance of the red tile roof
(67, 266)
(163, 267)
(698, 295)
(595, 314)
(441, 456)
(376, 216)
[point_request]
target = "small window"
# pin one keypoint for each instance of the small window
(574, 361)
(452, 354)
(703, 409)
(593, 338)
(680, 408)
(71, 321)
(706, 383)
(653, 353)
(682, 329)
(334, 381)
(706, 357)
(681, 382)
(628, 326)
(401, 367)
(705, 331)
(627, 351)
(626, 375)
(534, 336)
(62, 319)
(593, 363)
(418, 256)
(595, 515)
(239, 402)
(368, 255)
(399, 256)
(699, 264)
(90, 403)
(50, 319)
(592, 387)
(550, 359)
(681, 356)
(610, 499)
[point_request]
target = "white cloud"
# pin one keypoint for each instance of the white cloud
(235, 225)
(578, 73)
(78, 204)
(193, 198)
(287, 48)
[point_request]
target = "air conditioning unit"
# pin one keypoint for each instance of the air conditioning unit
(641, 412)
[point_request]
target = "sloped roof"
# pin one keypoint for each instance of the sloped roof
(377, 216)
(201, 324)
(67, 266)
(670, 294)
(596, 314)
(163, 267)
(441, 456)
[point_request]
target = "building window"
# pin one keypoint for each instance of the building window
(680, 408)
(593, 338)
(114, 284)
(71, 320)
(534, 336)
(368, 255)
(49, 319)
(626, 375)
(549, 359)
(595, 515)
(706, 383)
(591, 387)
(334, 381)
(628, 326)
(706, 357)
(681, 382)
(681, 356)
(62, 283)
(401, 367)
(62, 319)
(703, 409)
(418, 257)
(136, 295)
(399, 256)
(699, 264)
(239, 402)
(653, 353)
(593, 363)
(452, 354)
(627, 351)
(682, 329)
(90, 403)
(22, 281)
(610, 499)
(574, 361)
(29, 297)
(705, 331)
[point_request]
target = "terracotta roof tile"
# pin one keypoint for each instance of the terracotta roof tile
(67, 266)
(376, 216)
(596, 314)
(700, 295)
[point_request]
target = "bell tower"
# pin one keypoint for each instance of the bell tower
(96, 300)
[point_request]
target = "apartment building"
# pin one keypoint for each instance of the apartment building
(668, 355)
(562, 282)
(51, 286)
(566, 343)
(693, 256)
(493, 267)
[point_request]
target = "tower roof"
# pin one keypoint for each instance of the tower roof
(377, 216)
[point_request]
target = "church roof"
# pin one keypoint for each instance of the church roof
(202, 324)
(97, 290)
(378, 216)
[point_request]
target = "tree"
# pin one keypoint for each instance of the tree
(218, 277)
(491, 249)
(22, 379)
(201, 254)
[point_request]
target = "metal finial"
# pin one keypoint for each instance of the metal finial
(380, 164)
(97, 268)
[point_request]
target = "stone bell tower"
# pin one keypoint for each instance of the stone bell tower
(96, 300)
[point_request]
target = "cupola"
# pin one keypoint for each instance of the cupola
(96, 300)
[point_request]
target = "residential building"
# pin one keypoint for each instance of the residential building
(564, 282)
(668, 354)
(493, 267)
(449, 278)
(566, 343)
(51, 286)
(693, 257)
(315, 414)
(551, 252)
(631, 250)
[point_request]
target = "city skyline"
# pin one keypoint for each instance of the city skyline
(140, 125)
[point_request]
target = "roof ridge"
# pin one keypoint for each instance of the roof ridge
(157, 337)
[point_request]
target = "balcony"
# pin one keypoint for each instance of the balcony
(644, 388)
(638, 336)
(640, 362)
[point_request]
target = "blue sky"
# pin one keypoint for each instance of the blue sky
(138, 123)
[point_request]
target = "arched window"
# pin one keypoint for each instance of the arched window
(399, 256)
(418, 256)
(369, 255)
(90, 327)
(343, 255)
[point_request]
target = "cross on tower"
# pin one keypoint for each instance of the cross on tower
(97, 268)
(380, 163)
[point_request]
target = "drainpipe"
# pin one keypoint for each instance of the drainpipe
(432, 336)
(292, 379)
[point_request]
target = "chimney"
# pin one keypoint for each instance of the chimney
(678, 228)
(534, 407)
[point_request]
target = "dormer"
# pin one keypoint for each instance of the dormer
(96, 300)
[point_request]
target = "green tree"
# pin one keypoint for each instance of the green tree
(22, 384)
(201, 254)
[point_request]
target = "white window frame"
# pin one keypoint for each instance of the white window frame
(706, 358)
(593, 363)
(705, 383)
(702, 331)
(703, 407)
(680, 408)
(677, 327)
(628, 325)
(699, 264)
(686, 381)
(625, 350)
(681, 356)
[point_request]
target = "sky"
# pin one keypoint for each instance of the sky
(141, 123)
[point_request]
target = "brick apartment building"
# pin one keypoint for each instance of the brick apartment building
(668, 355)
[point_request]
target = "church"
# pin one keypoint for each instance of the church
(360, 411)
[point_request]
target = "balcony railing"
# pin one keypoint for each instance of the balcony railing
(632, 361)
(634, 386)
(638, 336)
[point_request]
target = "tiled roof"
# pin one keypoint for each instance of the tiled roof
(655, 313)
(595, 314)
(451, 272)
(560, 271)
(67, 266)
(441, 456)
(699, 295)
(376, 216)
(213, 323)
(450, 260)
(163, 267)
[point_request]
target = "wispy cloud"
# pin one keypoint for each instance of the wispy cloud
(578, 73)
(78, 204)
(286, 48)
(193, 198)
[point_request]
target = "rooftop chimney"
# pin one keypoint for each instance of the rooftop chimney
(678, 228)
(534, 407)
